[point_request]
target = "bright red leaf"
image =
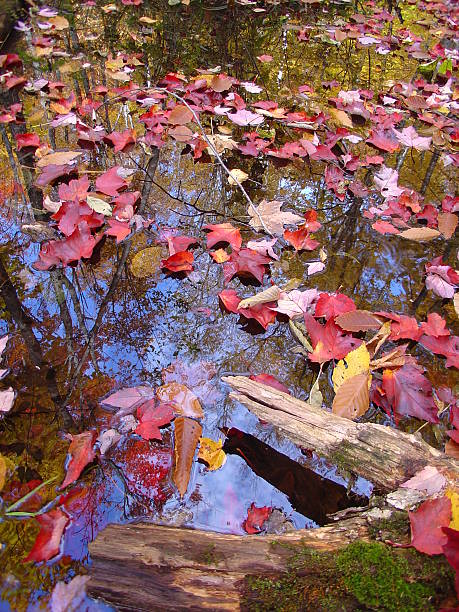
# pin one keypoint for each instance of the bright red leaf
(256, 518)
(271, 381)
(152, 418)
(331, 305)
(179, 243)
(448, 346)
(410, 393)
(435, 326)
(119, 229)
(111, 182)
(262, 313)
(179, 262)
(24, 141)
(79, 244)
(81, 451)
(223, 232)
(245, 262)
(300, 239)
(328, 341)
(122, 141)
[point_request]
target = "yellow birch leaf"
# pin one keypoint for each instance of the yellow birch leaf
(356, 362)
(454, 497)
(212, 453)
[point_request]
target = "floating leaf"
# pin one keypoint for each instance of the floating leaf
(447, 223)
(6, 400)
(212, 453)
(187, 434)
(268, 295)
(256, 517)
(47, 544)
(59, 158)
(272, 216)
(353, 398)
(181, 399)
(358, 320)
(99, 205)
(81, 451)
(355, 362)
(420, 234)
(237, 174)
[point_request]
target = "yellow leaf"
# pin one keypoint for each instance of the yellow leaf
(237, 175)
(147, 262)
(2, 472)
(356, 362)
(212, 453)
(341, 117)
(454, 497)
(99, 206)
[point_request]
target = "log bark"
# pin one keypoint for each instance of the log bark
(152, 567)
(385, 456)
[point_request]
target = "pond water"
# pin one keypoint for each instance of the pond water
(108, 322)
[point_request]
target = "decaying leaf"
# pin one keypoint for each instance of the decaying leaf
(211, 453)
(358, 320)
(272, 216)
(99, 205)
(356, 362)
(147, 262)
(69, 597)
(237, 174)
(186, 438)
(268, 295)
(182, 399)
(353, 399)
(456, 303)
(58, 158)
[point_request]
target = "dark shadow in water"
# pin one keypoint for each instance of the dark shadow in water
(310, 494)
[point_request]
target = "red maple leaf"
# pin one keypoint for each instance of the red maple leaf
(79, 244)
(329, 341)
(152, 418)
(25, 141)
(179, 262)
(243, 262)
(70, 214)
(448, 346)
(223, 232)
(435, 326)
(122, 141)
(402, 327)
(451, 551)
(332, 305)
(111, 182)
(81, 451)
(179, 243)
(120, 229)
(300, 239)
(52, 172)
(427, 522)
(271, 381)
(262, 313)
(47, 544)
(383, 140)
(409, 392)
(256, 517)
(75, 191)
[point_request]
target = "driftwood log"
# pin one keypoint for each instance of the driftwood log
(153, 567)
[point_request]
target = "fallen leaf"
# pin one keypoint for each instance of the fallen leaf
(129, 397)
(244, 117)
(356, 362)
(245, 262)
(211, 453)
(272, 216)
(223, 232)
(447, 223)
(69, 597)
(58, 158)
(186, 438)
(429, 480)
(179, 262)
(107, 439)
(6, 400)
(353, 398)
(295, 303)
(147, 262)
(111, 182)
(256, 517)
(358, 320)
(81, 451)
(328, 340)
(427, 521)
(420, 234)
(47, 544)
(271, 381)
(182, 399)
(237, 174)
(180, 115)
(151, 418)
(410, 393)
(332, 305)
(99, 205)
(267, 295)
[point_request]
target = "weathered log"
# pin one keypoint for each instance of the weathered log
(152, 567)
(385, 456)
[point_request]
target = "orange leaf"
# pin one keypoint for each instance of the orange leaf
(352, 398)
(183, 401)
(187, 434)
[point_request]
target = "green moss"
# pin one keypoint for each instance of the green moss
(395, 528)
(209, 556)
(369, 576)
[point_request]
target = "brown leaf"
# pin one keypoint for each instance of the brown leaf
(420, 234)
(447, 223)
(393, 359)
(379, 339)
(58, 158)
(181, 399)
(180, 115)
(352, 399)
(187, 434)
(452, 449)
(358, 320)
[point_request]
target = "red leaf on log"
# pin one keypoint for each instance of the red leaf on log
(410, 393)
(271, 381)
(427, 522)
(47, 544)
(81, 451)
